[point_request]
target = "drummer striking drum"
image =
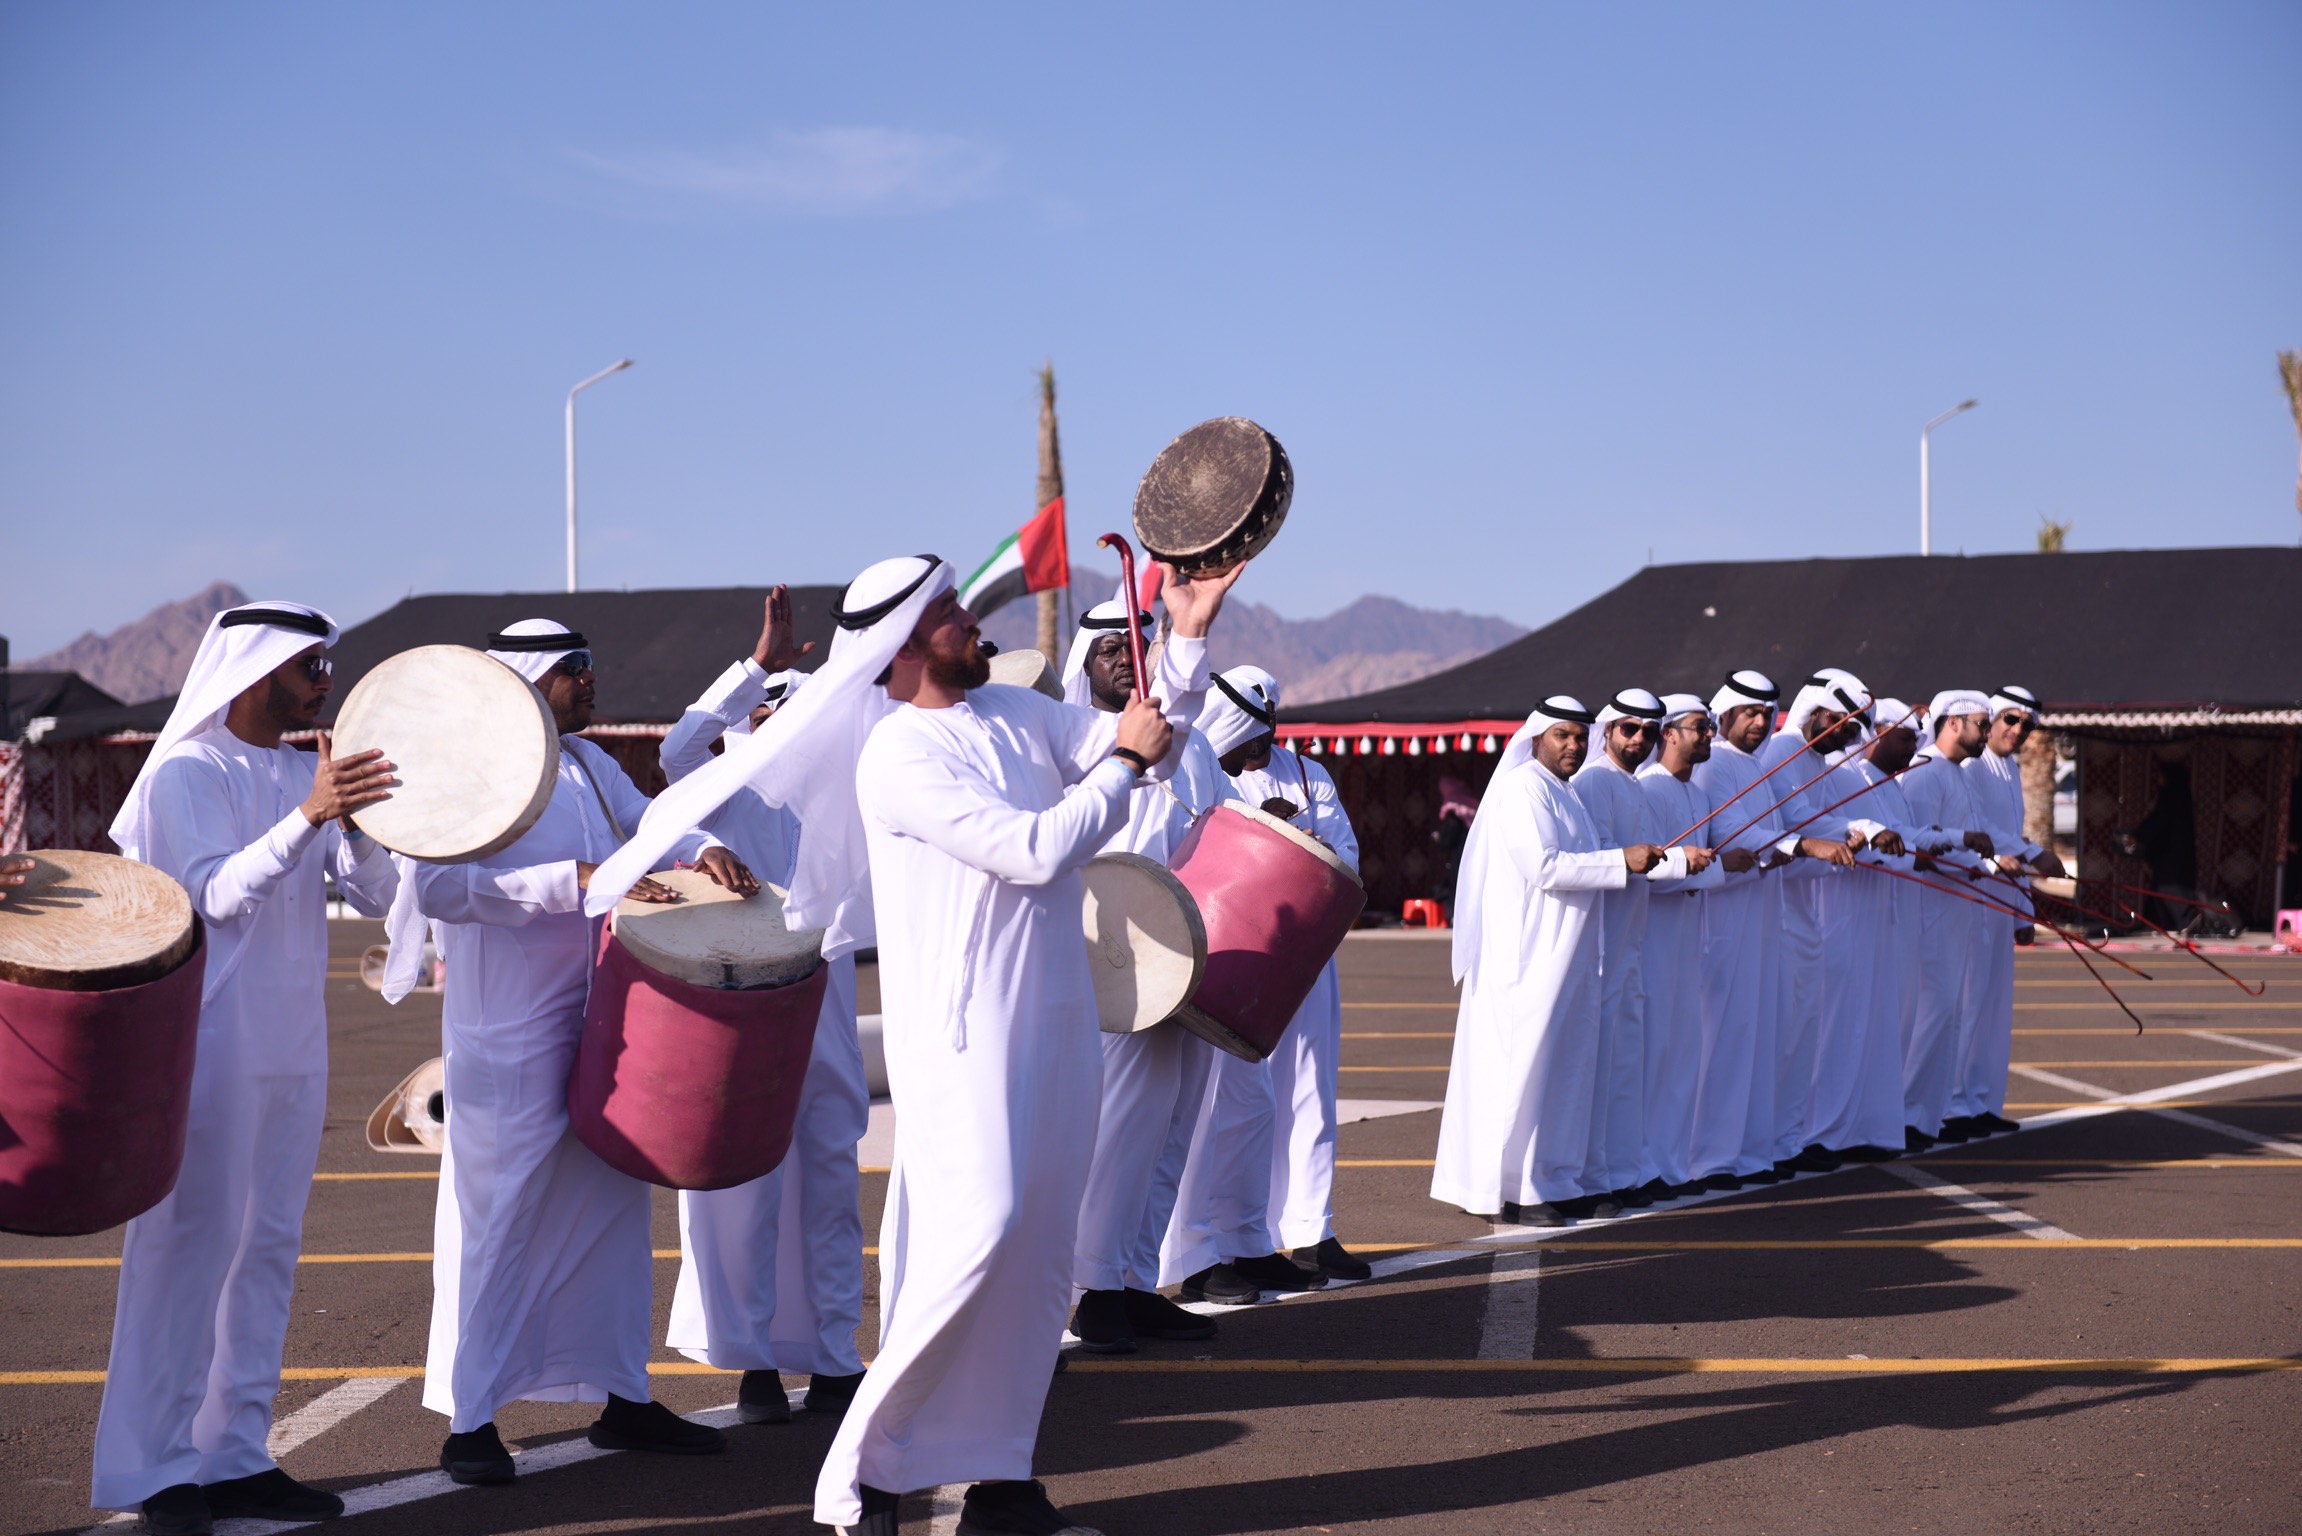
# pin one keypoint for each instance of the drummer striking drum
(251, 828)
(541, 1274)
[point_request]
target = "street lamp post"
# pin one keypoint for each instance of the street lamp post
(579, 389)
(1925, 485)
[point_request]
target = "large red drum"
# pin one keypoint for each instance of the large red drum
(696, 1038)
(1277, 904)
(101, 962)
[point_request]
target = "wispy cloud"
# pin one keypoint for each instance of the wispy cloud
(818, 171)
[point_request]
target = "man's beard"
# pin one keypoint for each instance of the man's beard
(288, 712)
(967, 671)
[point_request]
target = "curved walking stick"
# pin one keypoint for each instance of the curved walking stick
(2006, 907)
(2187, 946)
(1731, 799)
(1858, 794)
(1810, 783)
(1134, 630)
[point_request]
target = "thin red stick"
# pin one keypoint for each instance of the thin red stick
(1858, 794)
(2080, 957)
(2187, 946)
(1803, 788)
(2218, 909)
(1731, 799)
(1134, 630)
(1995, 905)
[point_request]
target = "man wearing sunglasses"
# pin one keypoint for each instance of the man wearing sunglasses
(541, 1276)
(251, 827)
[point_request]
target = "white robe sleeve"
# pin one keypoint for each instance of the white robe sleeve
(733, 695)
(500, 898)
(629, 805)
(945, 803)
(198, 844)
(1328, 818)
(1545, 867)
(364, 872)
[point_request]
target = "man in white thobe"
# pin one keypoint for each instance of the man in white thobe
(542, 1269)
(1153, 1079)
(251, 828)
(980, 805)
(1516, 1127)
(1621, 1170)
(1951, 928)
(771, 1272)
(1977, 1106)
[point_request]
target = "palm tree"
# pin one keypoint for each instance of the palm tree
(2290, 375)
(2052, 536)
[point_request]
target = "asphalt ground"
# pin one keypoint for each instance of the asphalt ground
(2091, 1325)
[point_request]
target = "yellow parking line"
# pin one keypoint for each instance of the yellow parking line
(2128, 1034)
(1421, 1034)
(1567, 1244)
(2160, 1103)
(308, 1258)
(413, 1173)
(1423, 1067)
(2034, 1164)
(1448, 1003)
(2181, 1007)
(1683, 1366)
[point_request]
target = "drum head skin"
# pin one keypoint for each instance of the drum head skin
(1215, 497)
(1145, 943)
(1027, 669)
(413, 1116)
(715, 938)
(93, 922)
(472, 743)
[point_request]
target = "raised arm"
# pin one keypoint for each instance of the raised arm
(732, 696)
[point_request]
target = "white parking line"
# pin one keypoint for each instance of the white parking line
(1982, 1205)
(1514, 1286)
(2113, 1102)
(326, 1411)
(943, 1506)
(2263, 1046)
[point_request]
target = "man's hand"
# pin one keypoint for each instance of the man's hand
(647, 890)
(1738, 861)
(2049, 864)
(1699, 859)
(1194, 602)
(13, 873)
(2009, 864)
(1282, 807)
(1829, 850)
(1642, 857)
(1922, 860)
(1979, 842)
(726, 871)
(344, 785)
(775, 651)
(1856, 840)
(1889, 842)
(1144, 731)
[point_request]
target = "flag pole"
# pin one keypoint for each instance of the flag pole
(1050, 487)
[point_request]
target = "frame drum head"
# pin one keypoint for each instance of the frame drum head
(472, 743)
(715, 938)
(1215, 497)
(1146, 945)
(1294, 834)
(413, 1116)
(1023, 668)
(93, 922)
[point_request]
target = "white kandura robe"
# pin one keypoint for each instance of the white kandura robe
(1996, 782)
(1670, 1059)
(542, 1276)
(1153, 1080)
(206, 1275)
(1516, 1126)
(978, 817)
(1735, 1128)
(1951, 931)
(1873, 980)
(771, 1271)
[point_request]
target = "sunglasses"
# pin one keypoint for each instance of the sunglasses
(1634, 728)
(317, 668)
(573, 664)
(1699, 727)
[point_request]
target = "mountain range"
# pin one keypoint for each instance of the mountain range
(146, 659)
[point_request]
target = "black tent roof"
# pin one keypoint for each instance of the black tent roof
(26, 696)
(2114, 630)
(656, 650)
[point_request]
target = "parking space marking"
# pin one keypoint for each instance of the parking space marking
(943, 1505)
(1674, 1365)
(1982, 1205)
(2155, 1101)
(326, 1411)
(1514, 1288)
(2240, 1041)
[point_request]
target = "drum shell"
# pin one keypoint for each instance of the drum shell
(95, 1096)
(685, 1086)
(1275, 914)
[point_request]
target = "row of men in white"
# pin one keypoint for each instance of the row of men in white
(971, 810)
(1729, 945)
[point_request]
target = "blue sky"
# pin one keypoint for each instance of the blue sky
(292, 294)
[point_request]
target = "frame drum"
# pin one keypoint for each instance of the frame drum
(1277, 903)
(413, 1116)
(1145, 943)
(101, 969)
(472, 743)
(1022, 668)
(1215, 497)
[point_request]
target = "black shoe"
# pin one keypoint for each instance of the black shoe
(1223, 1285)
(1915, 1140)
(1764, 1176)
(178, 1510)
(1865, 1153)
(1101, 1323)
(881, 1509)
(760, 1399)
(1656, 1189)
(1788, 1167)
(628, 1426)
(1997, 1125)
(271, 1495)
(1633, 1199)
(1330, 1258)
(1543, 1213)
(1153, 1316)
(477, 1456)
(1723, 1183)
(831, 1394)
(1959, 1128)
(1690, 1188)
(1818, 1159)
(1015, 1509)
(1577, 1207)
(1277, 1272)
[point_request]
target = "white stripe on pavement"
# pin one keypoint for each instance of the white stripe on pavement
(1513, 1287)
(1982, 1205)
(326, 1411)
(2263, 1046)
(2114, 1102)
(943, 1509)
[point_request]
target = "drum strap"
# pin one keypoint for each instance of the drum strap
(600, 795)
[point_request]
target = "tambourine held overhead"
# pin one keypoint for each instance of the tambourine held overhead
(1215, 497)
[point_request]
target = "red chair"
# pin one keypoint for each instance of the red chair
(1423, 913)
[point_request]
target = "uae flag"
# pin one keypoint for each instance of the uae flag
(1034, 558)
